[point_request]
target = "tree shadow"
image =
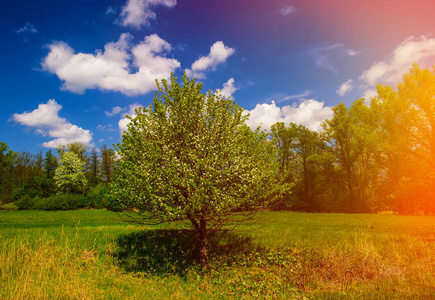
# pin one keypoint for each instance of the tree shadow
(174, 251)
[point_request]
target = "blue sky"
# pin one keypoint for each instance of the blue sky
(72, 69)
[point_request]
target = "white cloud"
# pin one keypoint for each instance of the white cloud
(115, 110)
(228, 88)
(286, 11)
(310, 113)
(390, 71)
(122, 124)
(218, 55)
(110, 70)
(138, 13)
(47, 122)
(27, 28)
(105, 127)
(345, 88)
(324, 55)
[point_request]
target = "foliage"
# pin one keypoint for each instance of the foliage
(77, 148)
(97, 196)
(50, 164)
(8, 206)
(69, 176)
(191, 156)
(44, 186)
(7, 156)
(406, 122)
(7, 161)
(107, 163)
(62, 202)
(26, 202)
(368, 158)
(28, 176)
(302, 155)
(93, 174)
(55, 202)
(352, 138)
(25, 190)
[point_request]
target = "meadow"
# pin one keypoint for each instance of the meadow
(92, 254)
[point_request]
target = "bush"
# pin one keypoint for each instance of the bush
(6, 198)
(8, 206)
(55, 202)
(97, 196)
(25, 190)
(62, 202)
(26, 202)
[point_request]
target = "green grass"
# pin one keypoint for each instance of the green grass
(91, 254)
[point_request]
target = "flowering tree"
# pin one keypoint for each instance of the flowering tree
(70, 176)
(190, 156)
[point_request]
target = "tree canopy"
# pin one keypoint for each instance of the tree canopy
(70, 176)
(190, 155)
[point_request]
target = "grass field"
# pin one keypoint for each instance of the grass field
(91, 254)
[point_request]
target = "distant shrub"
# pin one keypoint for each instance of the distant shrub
(25, 190)
(26, 202)
(6, 198)
(387, 212)
(62, 202)
(97, 196)
(55, 202)
(8, 206)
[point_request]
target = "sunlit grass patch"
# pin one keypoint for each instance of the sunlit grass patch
(91, 255)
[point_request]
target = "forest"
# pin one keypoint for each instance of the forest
(375, 155)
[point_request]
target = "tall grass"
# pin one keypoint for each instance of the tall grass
(92, 255)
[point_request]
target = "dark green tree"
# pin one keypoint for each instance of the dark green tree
(94, 172)
(50, 164)
(352, 138)
(107, 162)
(7, 163)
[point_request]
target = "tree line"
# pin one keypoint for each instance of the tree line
(74, 171)
(375, 155)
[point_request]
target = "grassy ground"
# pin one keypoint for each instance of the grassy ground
(91, 254)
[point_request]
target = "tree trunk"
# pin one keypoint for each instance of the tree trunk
(201, 230)
(203, 257)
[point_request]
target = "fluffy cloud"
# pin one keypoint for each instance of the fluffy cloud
(122, 124)
(228, 88)
(27, 28)
(138, 13)
(310, 113)
(219, 53)
(47, 122)
(345, 88)
(110, 70)
(390, 71)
